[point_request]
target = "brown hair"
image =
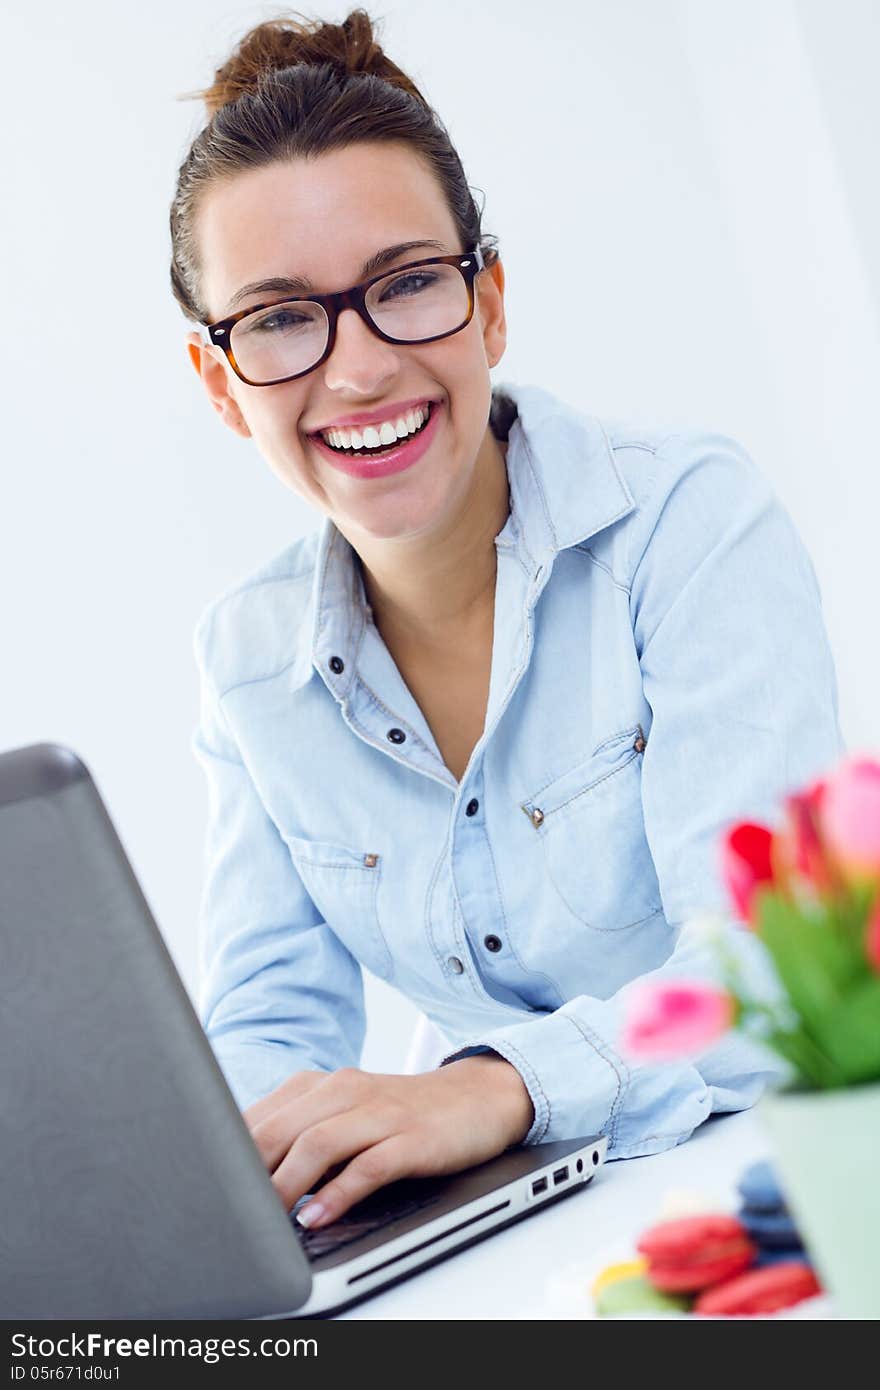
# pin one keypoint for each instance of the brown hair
(294, 90)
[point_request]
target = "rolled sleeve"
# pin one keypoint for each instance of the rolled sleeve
(738, 673)
(545, 1050)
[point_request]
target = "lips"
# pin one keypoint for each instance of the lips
(378, 451)
(374, 417)
(398, 457)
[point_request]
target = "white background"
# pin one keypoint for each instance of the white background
(687, 207)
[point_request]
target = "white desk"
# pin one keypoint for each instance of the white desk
(542, 1267)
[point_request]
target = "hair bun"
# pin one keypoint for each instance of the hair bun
(350, 47)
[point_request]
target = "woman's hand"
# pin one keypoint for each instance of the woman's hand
(374, 1128)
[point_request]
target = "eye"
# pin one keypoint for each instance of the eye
(412, 283)
(277, 321)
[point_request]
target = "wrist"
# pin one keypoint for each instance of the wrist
(494, 1073)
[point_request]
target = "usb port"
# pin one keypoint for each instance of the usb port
(539, 1186)
(560, 1175)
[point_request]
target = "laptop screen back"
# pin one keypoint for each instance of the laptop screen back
(131, 1187)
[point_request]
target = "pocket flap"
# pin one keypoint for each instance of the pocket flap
(587, 777)
(322, 855)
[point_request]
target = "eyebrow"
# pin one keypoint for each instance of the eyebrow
(284, 284)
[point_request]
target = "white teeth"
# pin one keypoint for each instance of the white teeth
(373, 436)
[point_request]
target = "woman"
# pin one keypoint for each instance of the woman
(481, 733)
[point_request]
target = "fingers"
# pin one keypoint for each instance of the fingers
(305, 1100)
(346, 1138)
(298, 1083)
(371, 1169)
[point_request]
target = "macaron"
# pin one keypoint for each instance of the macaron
(759, 1187)
(758, 1291)
(781, 1256)
(766, 1217)
(695, 1252)
(635, 1294)
(625, 1269)
(770, 1229)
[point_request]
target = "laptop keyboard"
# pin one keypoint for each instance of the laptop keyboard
(374, 1212)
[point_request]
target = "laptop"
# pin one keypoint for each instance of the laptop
(131, 1187)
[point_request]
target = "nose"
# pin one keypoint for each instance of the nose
(360, 360)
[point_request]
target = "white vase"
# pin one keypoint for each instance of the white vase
(828, 1154)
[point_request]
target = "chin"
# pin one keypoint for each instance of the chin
(401, 517)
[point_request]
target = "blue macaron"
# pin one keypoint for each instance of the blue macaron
(782, 1256)
(770, 1229)
(759, 1188)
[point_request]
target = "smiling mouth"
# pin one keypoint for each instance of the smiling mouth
(380, 449)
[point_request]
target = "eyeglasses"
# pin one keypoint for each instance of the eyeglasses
(420, 302)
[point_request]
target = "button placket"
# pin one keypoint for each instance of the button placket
(477, 894)
(361, 718)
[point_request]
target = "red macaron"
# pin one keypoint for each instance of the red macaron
(695, 1252)
(764, 1290)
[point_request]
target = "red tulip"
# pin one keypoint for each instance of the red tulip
(746, 865)
(808, 855)
(850, 816)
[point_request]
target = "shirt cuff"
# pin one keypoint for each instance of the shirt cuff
(547, 1053)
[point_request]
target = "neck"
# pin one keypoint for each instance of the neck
(429, 588)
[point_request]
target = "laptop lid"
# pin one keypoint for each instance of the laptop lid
(131, 1186)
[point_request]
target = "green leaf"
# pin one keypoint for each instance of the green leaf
(850, 1032)
(816, 966)
(808, 1060)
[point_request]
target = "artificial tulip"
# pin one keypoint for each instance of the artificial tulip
(850, 817)
(801, 841)
(746, 865)
(667, 1021)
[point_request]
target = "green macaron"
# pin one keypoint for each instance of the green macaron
(636, 1295)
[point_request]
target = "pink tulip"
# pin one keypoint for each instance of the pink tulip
(746, 865)
(872, 937)
(668, 1021)
(850, 816)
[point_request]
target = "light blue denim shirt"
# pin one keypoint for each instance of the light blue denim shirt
(660, 669)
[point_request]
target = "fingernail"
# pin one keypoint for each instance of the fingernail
(307, 1216)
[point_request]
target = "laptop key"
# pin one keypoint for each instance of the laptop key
(324, 1239)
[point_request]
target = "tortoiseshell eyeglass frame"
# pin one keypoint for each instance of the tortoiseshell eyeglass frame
(470, 263)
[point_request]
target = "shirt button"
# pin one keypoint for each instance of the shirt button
(472, 807)
(337, 665)
(492, 943)
(396, 735)
(455, 965)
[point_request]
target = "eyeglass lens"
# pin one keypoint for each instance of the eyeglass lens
(289, 338)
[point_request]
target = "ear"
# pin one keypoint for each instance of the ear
(211, 365)
(490, 297)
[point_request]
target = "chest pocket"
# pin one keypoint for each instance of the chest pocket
(344, 886)
(591, 829)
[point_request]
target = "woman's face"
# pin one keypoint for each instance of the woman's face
(320, 220)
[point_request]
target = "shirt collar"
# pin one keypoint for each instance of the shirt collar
(565, 487)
